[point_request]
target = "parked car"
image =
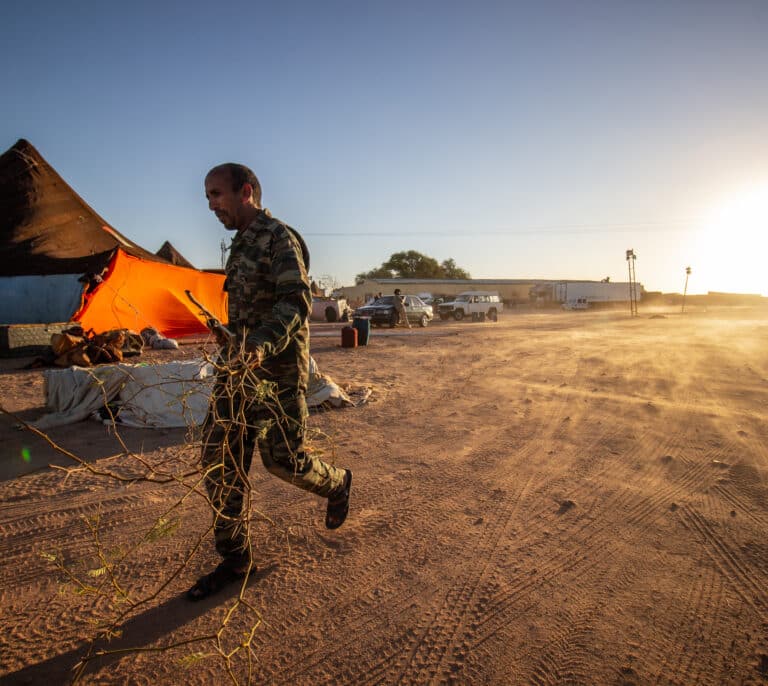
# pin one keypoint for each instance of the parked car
(426, 298)
(382, 311)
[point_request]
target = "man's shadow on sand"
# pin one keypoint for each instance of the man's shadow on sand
(137, 632)
(25, 452)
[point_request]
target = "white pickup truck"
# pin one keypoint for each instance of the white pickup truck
(329, 310)
(474, 304)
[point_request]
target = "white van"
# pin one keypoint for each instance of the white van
(576, 304)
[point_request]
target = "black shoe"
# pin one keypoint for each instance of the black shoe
(338, 506)
(228, 572)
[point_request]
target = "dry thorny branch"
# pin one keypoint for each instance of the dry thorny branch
(108, 581)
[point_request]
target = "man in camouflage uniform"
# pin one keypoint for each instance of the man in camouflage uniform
(259, 395)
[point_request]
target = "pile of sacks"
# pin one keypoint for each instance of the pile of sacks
(74, 346)
(155, 340)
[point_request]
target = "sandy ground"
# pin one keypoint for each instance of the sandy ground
(557, 498)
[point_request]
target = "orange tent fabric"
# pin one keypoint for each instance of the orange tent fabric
(138, 293)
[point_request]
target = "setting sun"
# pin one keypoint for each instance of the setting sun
(732, 243)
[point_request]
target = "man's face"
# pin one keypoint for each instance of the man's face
(225, 203)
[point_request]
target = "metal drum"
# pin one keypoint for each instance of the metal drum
(363, 328)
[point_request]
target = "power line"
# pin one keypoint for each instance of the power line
(538, 230)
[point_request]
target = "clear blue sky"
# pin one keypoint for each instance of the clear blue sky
(519, 140)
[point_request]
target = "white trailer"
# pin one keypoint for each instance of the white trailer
(592, 292)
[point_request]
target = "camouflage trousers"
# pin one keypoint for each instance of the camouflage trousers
(238, 420)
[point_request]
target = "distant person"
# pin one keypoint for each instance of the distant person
(269, 305)
(402, 316)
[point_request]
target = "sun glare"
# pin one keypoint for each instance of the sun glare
(732, 246)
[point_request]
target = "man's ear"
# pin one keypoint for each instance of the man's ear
(246, 194)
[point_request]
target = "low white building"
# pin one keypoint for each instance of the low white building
(512, 291)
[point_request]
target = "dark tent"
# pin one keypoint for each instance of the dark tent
(170, 254)
(47, 228)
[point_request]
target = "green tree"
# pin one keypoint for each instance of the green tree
(411, 264)
(452, 271)
(379, 273)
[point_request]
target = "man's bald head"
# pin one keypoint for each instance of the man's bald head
(239, 175)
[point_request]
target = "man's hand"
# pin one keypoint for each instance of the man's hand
(222, 335)
(243, 360)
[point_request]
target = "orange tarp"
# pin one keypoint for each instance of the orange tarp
(137, 293)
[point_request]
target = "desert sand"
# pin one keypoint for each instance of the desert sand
(557, 498)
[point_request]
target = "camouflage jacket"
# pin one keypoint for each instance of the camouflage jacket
(269, 295)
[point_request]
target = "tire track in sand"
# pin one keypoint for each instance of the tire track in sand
(727, 561)
(693, 624)
(595, 550)
(597, 538)
(686, 622)
(49, 529)
(741, 504)
(458, 603)
(434, 642)
(565, 657)
(442, 638)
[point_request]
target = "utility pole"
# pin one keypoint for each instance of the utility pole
(631, 257)
(685, 290)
